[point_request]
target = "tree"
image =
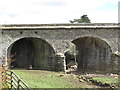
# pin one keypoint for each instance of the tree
(83, 19)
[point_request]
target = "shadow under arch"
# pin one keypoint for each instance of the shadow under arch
(93, 54)
(32, 51)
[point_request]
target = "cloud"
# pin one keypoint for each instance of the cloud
(104, 16)
(56, 11)
(53, 3)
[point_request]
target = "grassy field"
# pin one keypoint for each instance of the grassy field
(47, 79)
(50, 79)
(108, 80)
(112, 80)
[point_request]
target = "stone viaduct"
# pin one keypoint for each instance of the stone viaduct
(53, 46)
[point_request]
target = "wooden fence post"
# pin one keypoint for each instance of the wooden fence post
(18, 84)
(11, 79)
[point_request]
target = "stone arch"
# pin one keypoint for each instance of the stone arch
(32, 51)
(107, 40)
(93, 54)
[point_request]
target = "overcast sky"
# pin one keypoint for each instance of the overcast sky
(57, 11)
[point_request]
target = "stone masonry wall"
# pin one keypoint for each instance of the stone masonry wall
(58, 36)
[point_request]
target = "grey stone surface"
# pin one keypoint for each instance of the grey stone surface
(59, 37)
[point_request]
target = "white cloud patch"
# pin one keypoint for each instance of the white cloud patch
(53, 4)
(56, 11)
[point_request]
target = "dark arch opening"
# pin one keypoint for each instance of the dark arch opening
(70, 60)
(33, 52)
(93, 54)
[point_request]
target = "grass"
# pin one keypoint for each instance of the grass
(50, 79)
(106, 79)
(114, 81)
(47, 79)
